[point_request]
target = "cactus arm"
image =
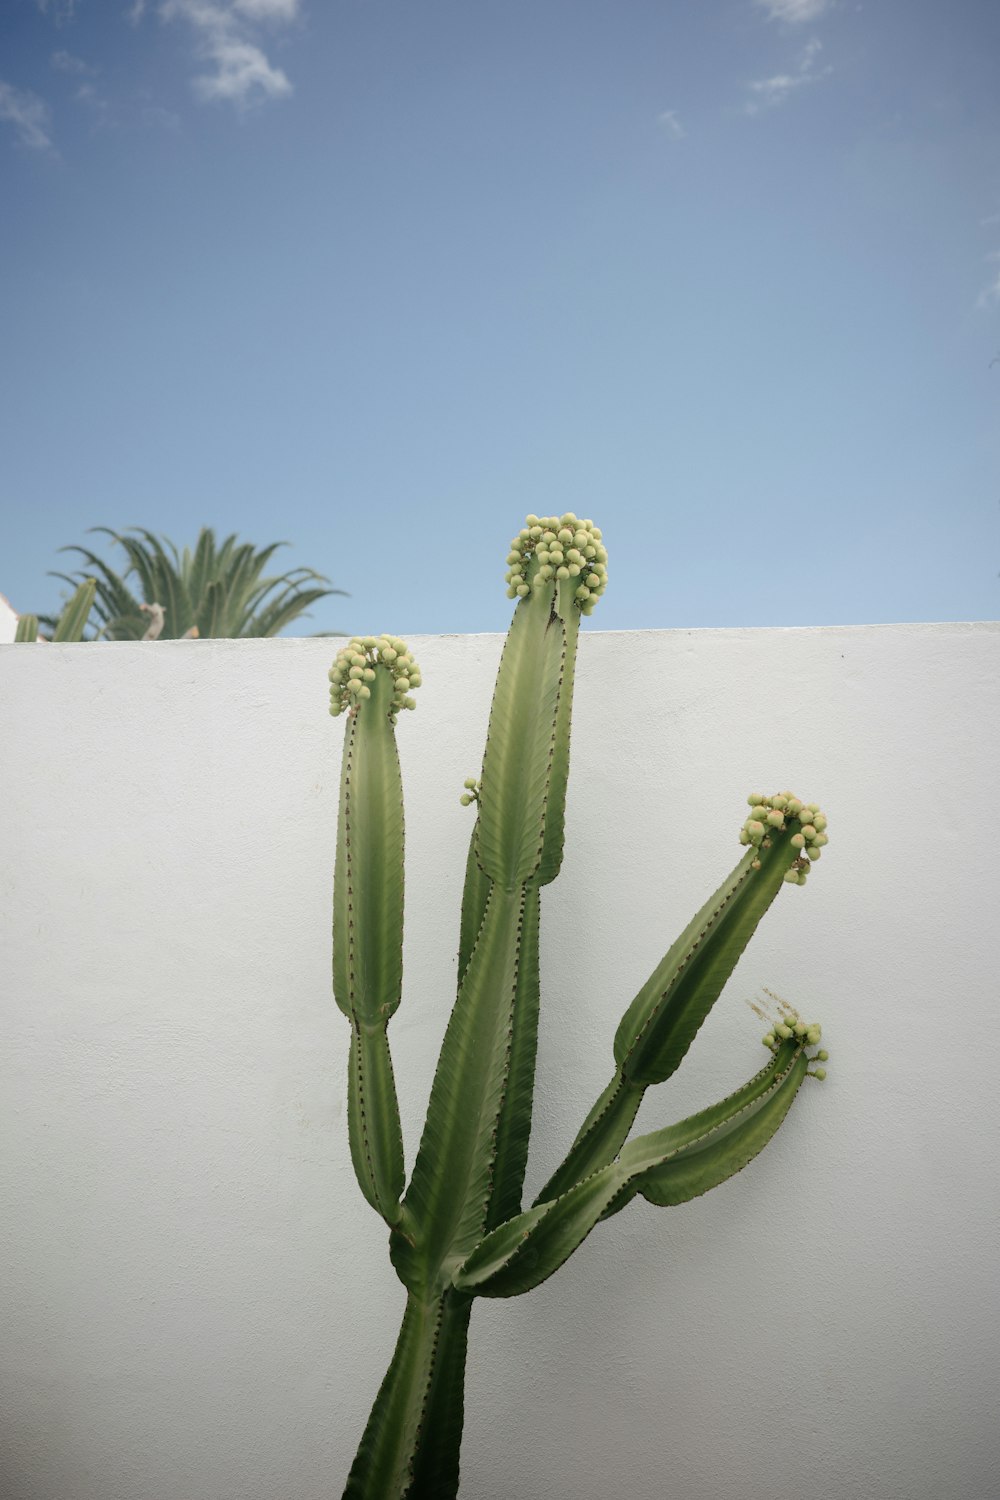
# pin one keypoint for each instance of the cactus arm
(368, 910)
(411, 1443)
(71, 623)
(600, 1137)
(27, 628)
(555, 819)
(474, 897)
(514, 1123)
(373, 1128)
(449, 1191)
(517, 763)
(667, 1013)
(671, 1165)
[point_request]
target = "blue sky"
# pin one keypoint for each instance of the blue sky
(381, 276)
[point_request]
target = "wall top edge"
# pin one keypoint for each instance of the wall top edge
(286, 643)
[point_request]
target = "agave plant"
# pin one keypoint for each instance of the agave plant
(211, 590)
(459, 1230)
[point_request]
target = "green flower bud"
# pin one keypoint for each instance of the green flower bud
(791, 877)
(819, 1073)
(556, 555)
(465, 799)
(532, 521)
(523, 590)
(573, 556)
(783, 1031)
(813, 1035)
(821, 840)
(800, 1028)
(769, 1039)
(744, 836)
(565, 535)
(573, 570)
(511, 592)
(562, 573)
(364, 692)
(470, 783)
(819, 822)
(755, 864)
(780, 801)
(808, 832)
(356, 672)
(813, 853)
(754, 799)
(513, 557)
(813, 807)
(822, 1055)
(368, 674)
(776, 818)
(388, 654)
(797, 841)
(402, 684)
(592, 581)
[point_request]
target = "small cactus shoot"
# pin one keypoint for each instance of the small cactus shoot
(459, 1230)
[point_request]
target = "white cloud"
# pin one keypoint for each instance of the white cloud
(60, 11)
(671, 125)
(240, 68)
(240, 72)
(28, 114)
(794, 12)
(767, 93)
(65, 62)
(267, 10)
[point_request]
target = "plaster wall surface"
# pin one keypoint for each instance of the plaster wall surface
(8, 622)
(198, 1302)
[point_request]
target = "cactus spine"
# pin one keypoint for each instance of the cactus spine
(459, 1230)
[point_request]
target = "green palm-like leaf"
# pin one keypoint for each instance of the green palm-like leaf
(220, 589)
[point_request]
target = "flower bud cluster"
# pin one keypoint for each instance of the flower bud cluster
(565, 548)
(807, 1033)
(471, 793)
(769, 815)
(354, 667)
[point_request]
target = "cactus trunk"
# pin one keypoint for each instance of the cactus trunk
(411, 1444)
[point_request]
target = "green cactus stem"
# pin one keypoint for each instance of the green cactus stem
(370, 680)
(459, 1230)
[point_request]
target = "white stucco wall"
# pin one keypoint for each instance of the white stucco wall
(8, 621)
(199, 1304)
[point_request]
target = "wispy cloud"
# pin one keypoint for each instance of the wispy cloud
(671, 126)
(29, 116)
(990, 294)
(794, 12)
(58, 11)
(65, 62)
(767, 93)
(238, 70)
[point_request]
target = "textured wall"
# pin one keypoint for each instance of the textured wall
(199, 1304)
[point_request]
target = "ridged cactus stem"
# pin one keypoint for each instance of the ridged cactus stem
(412, 1441)
(459, 1230)
(667, 1013)
(368, 913)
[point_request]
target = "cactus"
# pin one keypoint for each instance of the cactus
(459, 1229)
(72, 621)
